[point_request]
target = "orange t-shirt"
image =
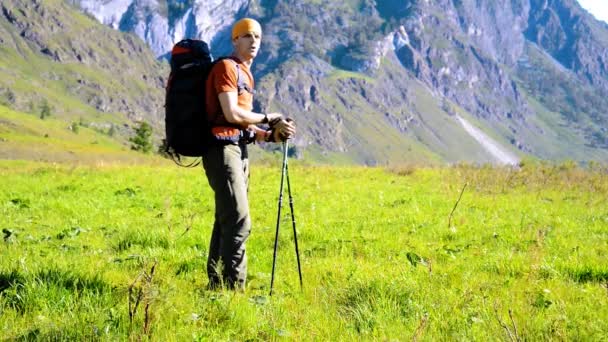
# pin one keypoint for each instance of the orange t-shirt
(221, 79)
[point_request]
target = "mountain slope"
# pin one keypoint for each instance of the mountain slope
(371, 82)
(382, 81)
(26, 137)
(54, 57)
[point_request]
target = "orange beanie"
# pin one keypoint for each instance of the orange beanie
(245, 25)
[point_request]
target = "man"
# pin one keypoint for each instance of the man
(229, 98)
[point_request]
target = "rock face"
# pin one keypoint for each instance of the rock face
(391, 81)
(572, 38)
(162, 23)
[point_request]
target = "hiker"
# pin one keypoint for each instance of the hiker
(229, 101)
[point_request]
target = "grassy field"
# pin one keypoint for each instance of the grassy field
(118, 252)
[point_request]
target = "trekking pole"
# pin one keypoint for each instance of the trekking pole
(293, 221)
(276, 235)
(285, 174)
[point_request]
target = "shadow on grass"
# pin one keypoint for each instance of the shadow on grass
(587, 274)
(10, 279)
(19, 289)
(144, 241)
(36, 334)
(73, 282)
(190, 265)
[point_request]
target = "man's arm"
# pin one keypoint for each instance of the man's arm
(236, 115)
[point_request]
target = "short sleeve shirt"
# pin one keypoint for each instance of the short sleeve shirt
(221, 79)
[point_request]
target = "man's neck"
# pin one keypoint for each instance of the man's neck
(247, 62)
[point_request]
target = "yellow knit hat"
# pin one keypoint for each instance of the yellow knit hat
(245, 25)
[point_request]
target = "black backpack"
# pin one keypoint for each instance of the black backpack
(188, 132)
(186, 126)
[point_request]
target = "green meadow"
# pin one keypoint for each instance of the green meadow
(118, 252)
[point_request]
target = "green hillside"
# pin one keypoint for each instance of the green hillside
(26, 136)
(55, 58)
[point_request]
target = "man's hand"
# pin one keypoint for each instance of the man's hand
(274, 117)
(284, 129)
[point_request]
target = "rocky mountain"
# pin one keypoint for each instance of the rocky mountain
(162, 23)
(394, 81)
(55, 58)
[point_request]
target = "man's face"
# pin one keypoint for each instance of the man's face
(248, 45)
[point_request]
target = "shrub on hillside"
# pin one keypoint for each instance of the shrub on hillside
(142, 141)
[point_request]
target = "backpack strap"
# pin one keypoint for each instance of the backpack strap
(178, 160)
(228, 132)
(241, 85)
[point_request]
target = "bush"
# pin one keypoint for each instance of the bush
(74, 127)
(45, 109)
(111, 130)
(142, 141)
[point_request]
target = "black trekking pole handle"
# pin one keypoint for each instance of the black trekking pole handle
(276, 236)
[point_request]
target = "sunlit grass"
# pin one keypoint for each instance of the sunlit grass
(523, 254)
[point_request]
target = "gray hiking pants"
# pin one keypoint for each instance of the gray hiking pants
(227, 169)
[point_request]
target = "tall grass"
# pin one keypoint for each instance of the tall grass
(118, 252)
